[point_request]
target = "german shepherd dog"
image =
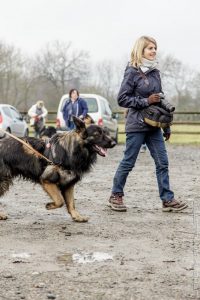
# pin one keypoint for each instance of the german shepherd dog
(72, 154)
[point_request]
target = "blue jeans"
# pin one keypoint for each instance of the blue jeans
(155, 142)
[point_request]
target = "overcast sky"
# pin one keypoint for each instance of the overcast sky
(107, 29)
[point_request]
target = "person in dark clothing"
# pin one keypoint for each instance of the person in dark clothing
(144, 146)
(74, 106)
(140, 88)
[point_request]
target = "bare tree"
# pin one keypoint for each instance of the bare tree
(10, 71)
(177, 79)
(58, 67)
(59, 64)
(106, 79)
(28, 80)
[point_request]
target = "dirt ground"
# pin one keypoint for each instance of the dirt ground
(141, 254)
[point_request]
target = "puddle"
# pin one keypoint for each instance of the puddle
(91, 257)
(21, 255)
(84, 258)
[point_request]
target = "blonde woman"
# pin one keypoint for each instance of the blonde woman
(140, 88)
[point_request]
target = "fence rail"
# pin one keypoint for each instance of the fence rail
(187, 114)
(191, 118)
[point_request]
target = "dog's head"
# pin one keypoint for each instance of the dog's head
(47, 132)
(95, 137)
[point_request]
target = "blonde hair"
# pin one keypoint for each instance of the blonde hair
(138, 50)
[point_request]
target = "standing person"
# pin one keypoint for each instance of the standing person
(140, 88)
(74, 106)
(38, 113)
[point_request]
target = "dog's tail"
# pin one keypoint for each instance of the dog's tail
(5, 178)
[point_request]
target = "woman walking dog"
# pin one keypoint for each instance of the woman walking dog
(141, 88)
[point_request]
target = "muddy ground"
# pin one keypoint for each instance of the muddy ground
(140, 254)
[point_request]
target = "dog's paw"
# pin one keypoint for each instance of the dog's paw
(51, 205)
(3, 217)
(81, 219)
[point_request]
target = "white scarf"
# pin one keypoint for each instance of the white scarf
(148, 65)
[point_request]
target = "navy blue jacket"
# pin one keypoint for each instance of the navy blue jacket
(81, 108)
(133, 94)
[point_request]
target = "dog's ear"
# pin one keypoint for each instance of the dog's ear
(80, 125)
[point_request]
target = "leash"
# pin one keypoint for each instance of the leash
(28, 146)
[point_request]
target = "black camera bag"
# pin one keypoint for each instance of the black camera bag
(156, 116)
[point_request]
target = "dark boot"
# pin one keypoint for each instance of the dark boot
(115, 202)
(173, 205)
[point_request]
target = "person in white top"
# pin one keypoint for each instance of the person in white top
(38, 113)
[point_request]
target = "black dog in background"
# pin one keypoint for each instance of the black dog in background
(47, 132)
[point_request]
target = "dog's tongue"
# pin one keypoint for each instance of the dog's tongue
(102, 151)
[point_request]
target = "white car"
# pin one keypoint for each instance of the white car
(99, 110)
(12, 121)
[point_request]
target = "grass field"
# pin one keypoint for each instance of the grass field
(181, 134)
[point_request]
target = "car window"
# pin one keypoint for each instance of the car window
(108, 110)
(92, 104)
(15, 113)
(103, 108)
(7, 112)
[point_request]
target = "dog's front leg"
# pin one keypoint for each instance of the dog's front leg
(54, 192)
(69, 200)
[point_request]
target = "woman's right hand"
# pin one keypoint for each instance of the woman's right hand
(154, 98)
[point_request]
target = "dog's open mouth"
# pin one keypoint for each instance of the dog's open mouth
(101, 151)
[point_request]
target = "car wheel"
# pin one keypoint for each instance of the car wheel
(8, 130)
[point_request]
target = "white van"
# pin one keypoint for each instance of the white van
(99, 110)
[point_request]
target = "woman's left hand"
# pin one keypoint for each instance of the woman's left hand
(166, 136)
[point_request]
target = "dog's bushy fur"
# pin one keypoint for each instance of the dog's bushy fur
(72, 154)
